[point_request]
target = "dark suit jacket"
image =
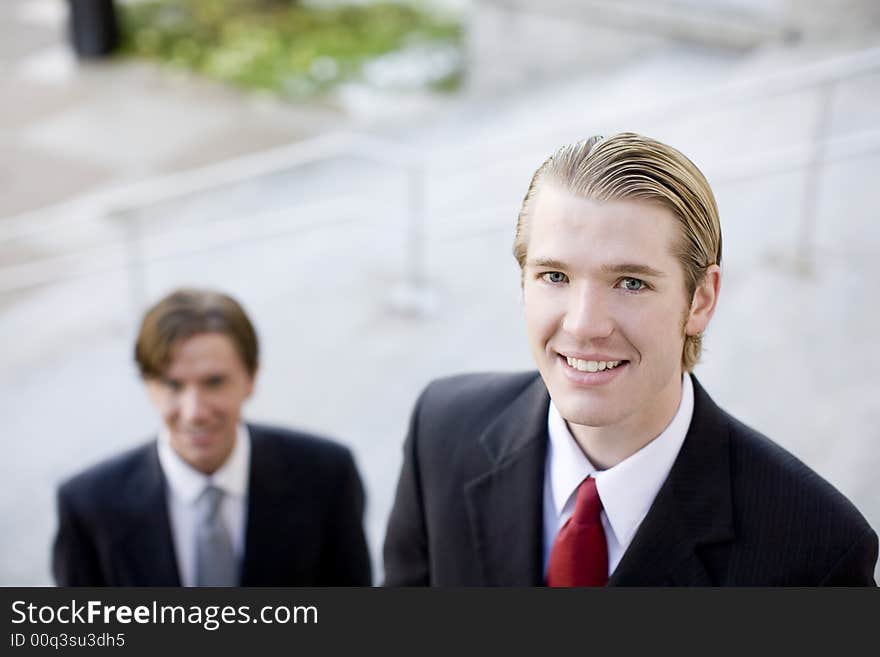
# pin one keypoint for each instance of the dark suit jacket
(736, 508)
(304, 518)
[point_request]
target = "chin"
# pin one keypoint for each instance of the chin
(206, 464)
(595, 420)
(587, 413)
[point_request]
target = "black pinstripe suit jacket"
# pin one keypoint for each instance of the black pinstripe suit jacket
(736, 509)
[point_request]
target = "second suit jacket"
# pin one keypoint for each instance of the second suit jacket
(736, 509)
(304, 518)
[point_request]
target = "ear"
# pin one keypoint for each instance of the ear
(155, 390)
(704, 302)
(252, 381)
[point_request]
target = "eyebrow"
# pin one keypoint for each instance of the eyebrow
(203, 378)
(633, 268)
(619, 268)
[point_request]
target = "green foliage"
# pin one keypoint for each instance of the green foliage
(278, 45)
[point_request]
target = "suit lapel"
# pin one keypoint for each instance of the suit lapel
(261, 510)
(505, 502)
(692, 510)
(146, 547)
(278, 517)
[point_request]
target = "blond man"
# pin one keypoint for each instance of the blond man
(611, 465)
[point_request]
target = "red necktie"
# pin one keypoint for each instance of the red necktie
(579, 556)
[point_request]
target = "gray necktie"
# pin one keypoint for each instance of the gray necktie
(216, 564)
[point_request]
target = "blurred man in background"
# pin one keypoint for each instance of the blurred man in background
(213, 501)
(611, 464)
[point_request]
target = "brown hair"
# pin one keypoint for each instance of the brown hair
(630, 166)
(188, 312)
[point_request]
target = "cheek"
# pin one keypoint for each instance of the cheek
(541, 314)
(652, 328)
(228, 407)
(171, 413)
(230, 403)
(165, 405)
(170, 416)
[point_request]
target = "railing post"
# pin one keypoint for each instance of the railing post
(416, 237)
(134, 262)
(413, 296)
(813, 176)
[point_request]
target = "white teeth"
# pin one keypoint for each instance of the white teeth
(591, 365)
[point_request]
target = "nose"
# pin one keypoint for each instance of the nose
(588, 315)
(193, 406)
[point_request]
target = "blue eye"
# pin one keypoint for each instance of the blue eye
(633, 284)
(555, 277)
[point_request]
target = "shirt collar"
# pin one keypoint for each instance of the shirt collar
(188, 483)
(628, 489)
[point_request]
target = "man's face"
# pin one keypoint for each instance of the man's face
(602, 291)
(200, 398)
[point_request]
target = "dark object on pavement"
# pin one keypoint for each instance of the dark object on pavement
(94, 31)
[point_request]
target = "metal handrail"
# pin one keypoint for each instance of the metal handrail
(171, 186)
(823, 76)
(729, 94)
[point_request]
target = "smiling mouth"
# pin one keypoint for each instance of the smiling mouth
(200, 437)
(592, 365)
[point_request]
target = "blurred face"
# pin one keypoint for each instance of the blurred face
(606, 310)
(200, 398)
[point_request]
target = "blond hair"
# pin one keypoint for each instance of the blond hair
(632, 167)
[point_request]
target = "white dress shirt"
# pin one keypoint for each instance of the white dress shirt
(627, 490)
(184, 486)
